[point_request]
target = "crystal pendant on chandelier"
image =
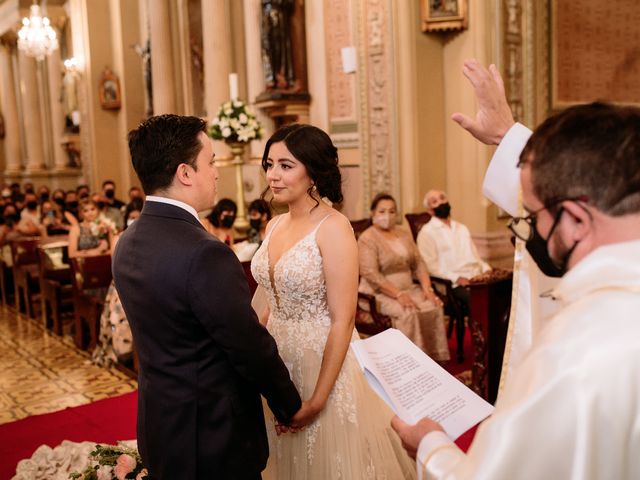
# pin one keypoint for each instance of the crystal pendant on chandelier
(36, 38)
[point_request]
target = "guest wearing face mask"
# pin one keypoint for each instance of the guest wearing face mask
(109, 191)
(43, 193)
(31, 210)
(447, 249)
(259, 216)
(219, 222)
(389, 261)
(70, 212)
(51, 219)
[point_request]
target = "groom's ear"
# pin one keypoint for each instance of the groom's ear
(184, 174)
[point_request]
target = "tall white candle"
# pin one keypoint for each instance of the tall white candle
(233, 85)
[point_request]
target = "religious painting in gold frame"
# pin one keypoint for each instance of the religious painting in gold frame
(594, 52)
(109, 90)
(443, 15)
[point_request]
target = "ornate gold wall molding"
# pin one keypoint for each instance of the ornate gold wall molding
(378, 119)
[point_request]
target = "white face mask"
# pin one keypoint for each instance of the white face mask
(384, 220)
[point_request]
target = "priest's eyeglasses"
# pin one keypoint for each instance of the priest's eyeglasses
(524, 227)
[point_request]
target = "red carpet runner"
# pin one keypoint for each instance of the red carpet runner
(105, 421)
(113, 419)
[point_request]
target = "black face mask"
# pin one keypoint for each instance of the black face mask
(44, 196)
(443, 210)
(110, 194)
(227, 221)
(100, 205)
(32, 205)
(59, 201)
(72, 205)
(255, 223)
(538, 248)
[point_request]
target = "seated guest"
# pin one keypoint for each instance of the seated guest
(259, 216)
(109, 191)
(389, 261)
(115, 343)
(111, 215)
(70, 212)
(9, 225)
(51, 219)
(447, 249)
(132, 211)
(83, 191)
(219, 222)
(91, 236)
(30, 211)
(135, 192)
(43, 193)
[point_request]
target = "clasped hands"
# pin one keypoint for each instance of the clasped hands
(303, 417)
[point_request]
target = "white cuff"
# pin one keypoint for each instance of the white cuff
(502, 180)
(436, 456)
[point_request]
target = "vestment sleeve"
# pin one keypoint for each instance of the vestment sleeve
(502, 181)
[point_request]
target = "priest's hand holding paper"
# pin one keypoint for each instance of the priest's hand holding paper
(410, 435)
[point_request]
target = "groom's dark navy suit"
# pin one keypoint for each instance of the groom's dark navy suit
(204, 358)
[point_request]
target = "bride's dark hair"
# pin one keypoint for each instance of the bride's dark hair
(314, 149)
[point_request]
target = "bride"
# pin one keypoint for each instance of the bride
(308, 267)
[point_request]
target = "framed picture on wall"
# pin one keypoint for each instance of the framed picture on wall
(109, 90)
(443, 15)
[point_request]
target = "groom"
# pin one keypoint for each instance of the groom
(204, 358)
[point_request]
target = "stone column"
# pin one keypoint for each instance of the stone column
(162, 65)
(31, 109)
(57, 116)
(255, 77)
(10, 112)
(216, 41)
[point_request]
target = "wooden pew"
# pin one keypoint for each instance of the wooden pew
(91, 277)
(26, 281)
(56, 291)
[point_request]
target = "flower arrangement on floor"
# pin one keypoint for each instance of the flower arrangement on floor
(235, 122)
(109, 462)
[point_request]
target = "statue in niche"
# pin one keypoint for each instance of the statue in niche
(277, 58)
(70, 101)
(145, 55)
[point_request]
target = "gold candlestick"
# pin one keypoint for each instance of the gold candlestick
(237, 150)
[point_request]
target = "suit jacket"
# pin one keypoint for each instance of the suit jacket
(204, 359)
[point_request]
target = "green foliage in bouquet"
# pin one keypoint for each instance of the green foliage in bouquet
(111, 462)
(235, 123)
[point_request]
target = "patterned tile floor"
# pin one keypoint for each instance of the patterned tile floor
(41, 372)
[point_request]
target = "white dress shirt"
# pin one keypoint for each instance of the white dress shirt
(174, 202)
(449, 251)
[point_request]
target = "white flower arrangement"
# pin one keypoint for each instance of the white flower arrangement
(235, 122)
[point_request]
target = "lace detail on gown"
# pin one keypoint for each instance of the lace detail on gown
(300, 322)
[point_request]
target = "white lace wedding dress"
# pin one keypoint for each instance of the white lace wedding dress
(351, 438)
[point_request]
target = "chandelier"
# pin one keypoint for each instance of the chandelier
(36, 38)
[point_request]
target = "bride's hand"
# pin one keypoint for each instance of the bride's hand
(307, 414)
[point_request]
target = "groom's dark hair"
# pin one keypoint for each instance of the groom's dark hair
(160, 144)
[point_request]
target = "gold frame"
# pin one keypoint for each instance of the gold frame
(109, 90)
(435, 21)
